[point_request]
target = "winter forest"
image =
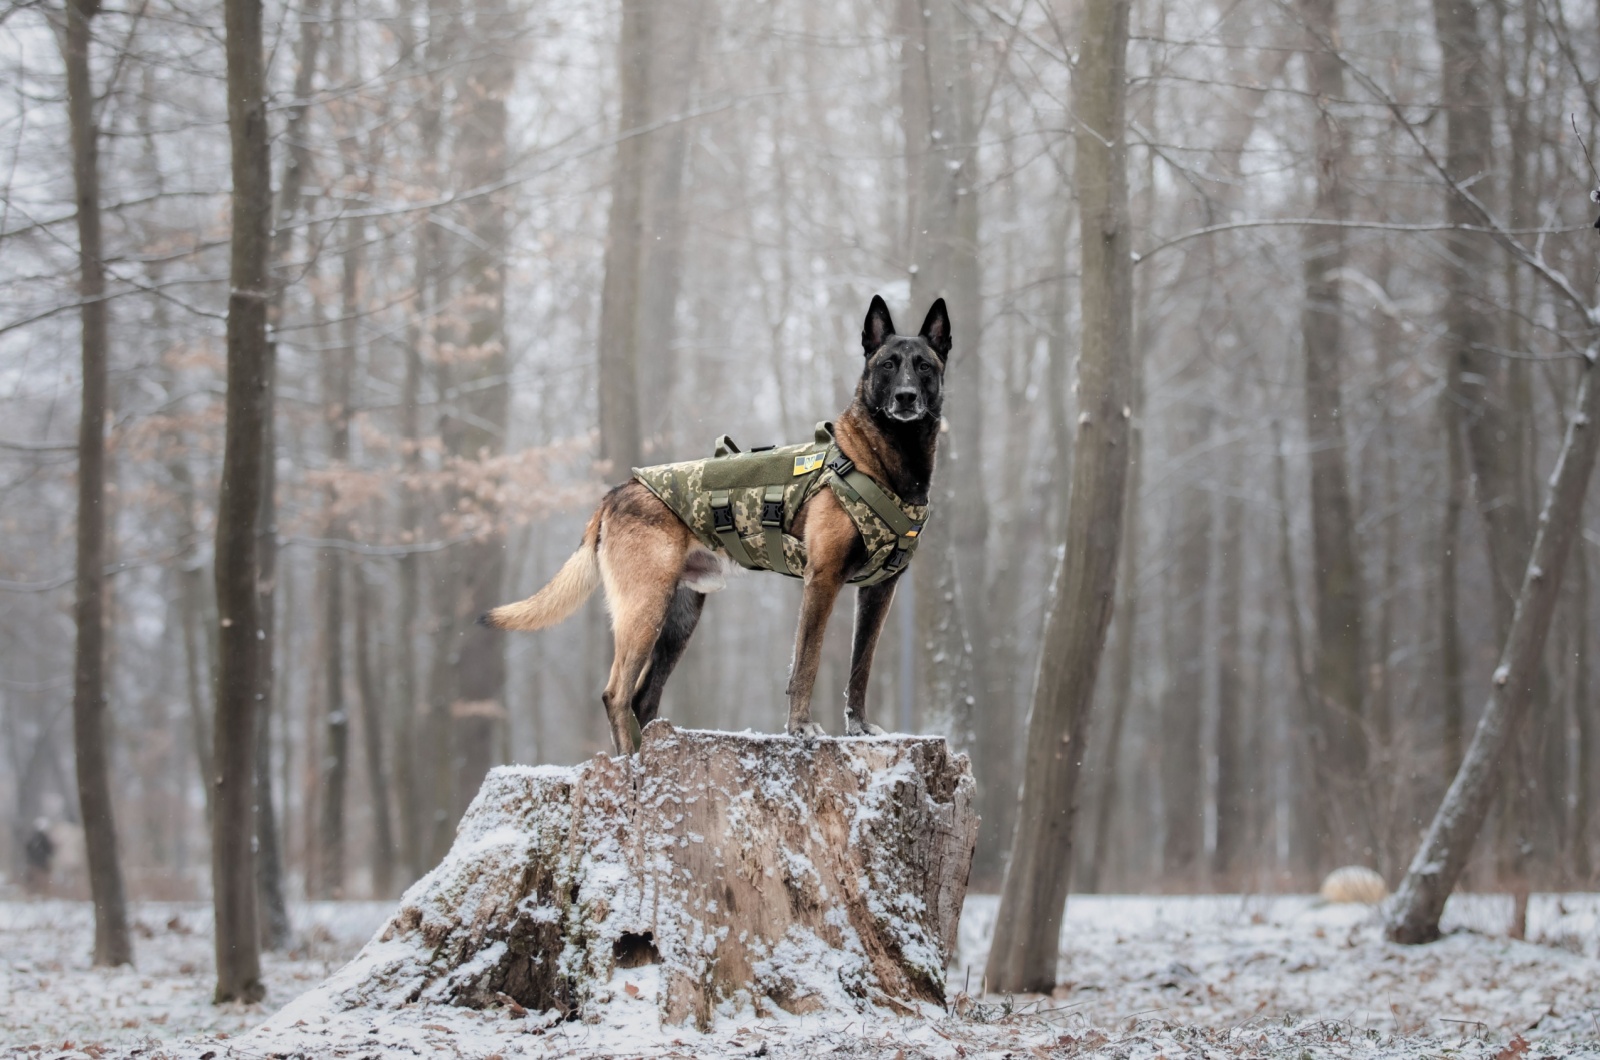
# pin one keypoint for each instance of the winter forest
(1260, 482)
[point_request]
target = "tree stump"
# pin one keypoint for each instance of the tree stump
(720, 871)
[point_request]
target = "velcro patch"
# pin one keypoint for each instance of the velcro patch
(806, 463)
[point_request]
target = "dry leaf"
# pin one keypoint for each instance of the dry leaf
(632, 990)
(1514, 1049)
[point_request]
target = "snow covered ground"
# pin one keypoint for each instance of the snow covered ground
(1145, 977)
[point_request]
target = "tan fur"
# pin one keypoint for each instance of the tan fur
(656, 572)
(565, 593)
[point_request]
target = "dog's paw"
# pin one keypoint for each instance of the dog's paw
(808, 730)
(853, 726)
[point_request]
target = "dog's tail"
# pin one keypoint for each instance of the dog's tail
(556, 602)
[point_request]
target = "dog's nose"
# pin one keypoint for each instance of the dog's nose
(905, 398)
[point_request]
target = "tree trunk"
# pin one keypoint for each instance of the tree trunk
(1183, 794)
(111, 941)
(338, 369)
(1443, 855)
(1033, 900)
(942, 175)
(1235, 725)
(233, 874)
(854, 849)
(1336, 571)
(1302, 712)
(373, 699)
(467, 691)
(1453, 711)
(1583, 712)
(1121, 691)
(274, 906)
(621, 441)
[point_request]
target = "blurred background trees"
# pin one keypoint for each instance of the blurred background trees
(520, 246)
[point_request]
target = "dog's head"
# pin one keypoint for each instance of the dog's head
(903, 379)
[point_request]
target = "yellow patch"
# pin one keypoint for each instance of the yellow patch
(806, 463)
(913, 533)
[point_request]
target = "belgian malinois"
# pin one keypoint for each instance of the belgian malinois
(656, 572)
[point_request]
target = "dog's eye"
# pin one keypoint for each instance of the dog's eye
(924, 368)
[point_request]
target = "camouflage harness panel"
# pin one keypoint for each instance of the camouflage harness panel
(744, 504)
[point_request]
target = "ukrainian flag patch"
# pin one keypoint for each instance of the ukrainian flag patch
(806, 463)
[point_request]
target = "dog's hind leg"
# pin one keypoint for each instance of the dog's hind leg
(683, 614)
(640, 566)
(636, 622)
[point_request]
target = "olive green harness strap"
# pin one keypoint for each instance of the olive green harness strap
(722, 524)
(856, 486)
(772, 527)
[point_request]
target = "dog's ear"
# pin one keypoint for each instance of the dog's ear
(936, 329)
(877, 328)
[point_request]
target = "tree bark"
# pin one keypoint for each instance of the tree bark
(467, 691)
(620, 437)
(1235, 725)
(856, 849)
(373, 697)
(942, 221)
(1453, 711)
(1336, 571)
(1440, 860)
(274, 906)
(1183, 789)
(1033, 900)
(111, 941)
(233, 876)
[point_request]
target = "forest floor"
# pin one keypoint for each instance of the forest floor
(1143, 977)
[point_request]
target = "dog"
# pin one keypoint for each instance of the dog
(656, 570)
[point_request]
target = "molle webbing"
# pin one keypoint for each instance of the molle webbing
(746, 503)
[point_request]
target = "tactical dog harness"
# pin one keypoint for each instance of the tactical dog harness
(745, 503)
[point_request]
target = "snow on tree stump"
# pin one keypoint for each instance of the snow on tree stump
(752, 871)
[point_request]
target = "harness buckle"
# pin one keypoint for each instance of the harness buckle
(897, 559)
(722, 516)
(772, 513)
(841, 465)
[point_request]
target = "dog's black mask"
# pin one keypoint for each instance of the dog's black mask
(903, 381)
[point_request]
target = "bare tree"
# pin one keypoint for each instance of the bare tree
(1033, 900)
(111, 942)
(939, 109)
(1336, 571)
(1440, 860)
(238, 944)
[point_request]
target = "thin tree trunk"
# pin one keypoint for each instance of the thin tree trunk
(1336, 571)
(274, 906)
(942, 168)
(1440, 860)
(1033, 900)
(339, 368)
(621, 442)
(233, 825)
(1121, 697)
(1303, 720)
(1583, 711)
(1453, 710)
(1182, 702)
(1234, 724)
(111, 941)
(373, 699)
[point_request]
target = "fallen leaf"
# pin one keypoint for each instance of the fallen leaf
(632, 990)
(437, 1027)
(1514, 1049)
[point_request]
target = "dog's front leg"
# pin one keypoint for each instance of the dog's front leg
(872, 607)
(816, 604)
